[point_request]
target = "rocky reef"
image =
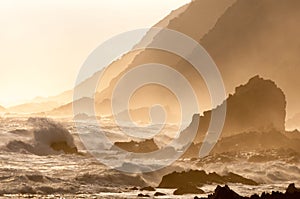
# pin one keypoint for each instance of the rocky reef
(226, 193)
(200, 178)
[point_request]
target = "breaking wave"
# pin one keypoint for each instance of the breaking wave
(49, 138)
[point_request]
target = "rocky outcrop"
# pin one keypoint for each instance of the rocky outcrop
(243, 37)
(188, 189)
(258, 106)
(225, 193)
(199, 178)
(255, 120)
(146, 146)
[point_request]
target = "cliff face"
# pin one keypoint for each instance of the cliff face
(259, 37)
(244, 38)
(195, 19)
(258, 105)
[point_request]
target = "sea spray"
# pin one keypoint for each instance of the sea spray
(49, 138)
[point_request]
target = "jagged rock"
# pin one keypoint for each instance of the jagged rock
(199, 178)
(188, 189)
(258, 106)
(137, 147)
(292, 189)
(226, 193)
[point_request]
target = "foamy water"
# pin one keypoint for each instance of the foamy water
(44, 172)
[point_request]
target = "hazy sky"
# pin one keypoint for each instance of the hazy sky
(44, 43)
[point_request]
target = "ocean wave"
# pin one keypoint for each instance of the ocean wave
(49, 138)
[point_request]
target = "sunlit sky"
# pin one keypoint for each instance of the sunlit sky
(44, 43)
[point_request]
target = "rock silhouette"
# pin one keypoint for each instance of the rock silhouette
(199, 178)
(188, 189)
(149, 188)
(226, 193)
(233, 32)
(137, 147)
(159, 194)
(258, 106)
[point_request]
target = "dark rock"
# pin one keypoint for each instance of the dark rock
(255, 196)
(159, 194)
(63, 146)
(146, 146)
(292, 189)
(143, 195)
(134, 189)
(199, 178)
(188, 189)
(224, 193)
(149, 188)
(258, 106)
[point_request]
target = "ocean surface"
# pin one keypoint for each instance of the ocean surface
(30, 168)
